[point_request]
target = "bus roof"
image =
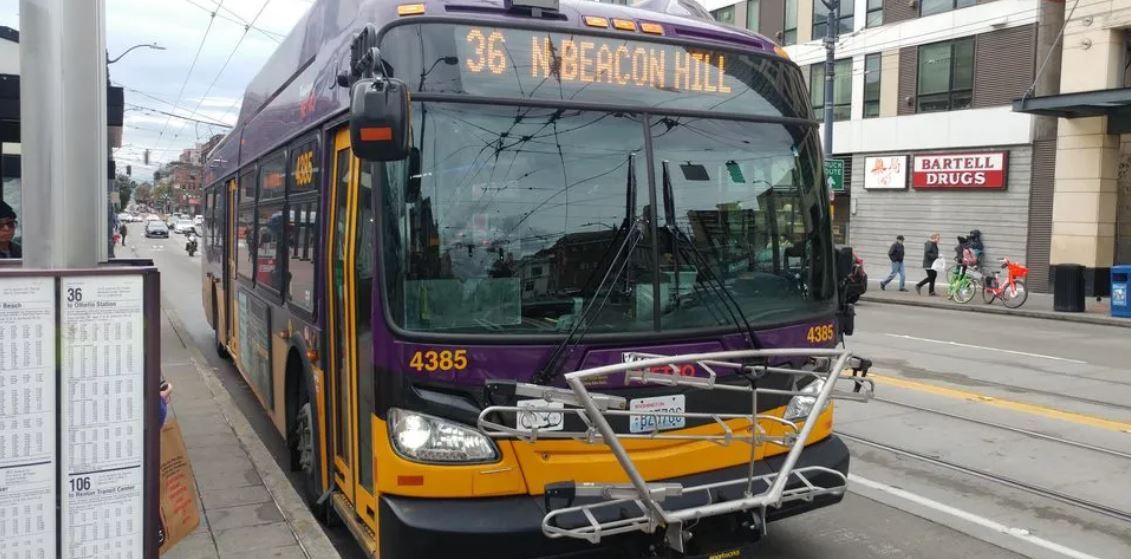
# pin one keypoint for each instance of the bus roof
(297, 88)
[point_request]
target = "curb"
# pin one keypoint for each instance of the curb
(307, 531)
(1081, 318)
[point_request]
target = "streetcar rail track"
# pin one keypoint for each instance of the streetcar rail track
(1018, 430)
(1052, 494)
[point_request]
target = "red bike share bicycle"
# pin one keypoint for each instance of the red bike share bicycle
(1011, 290)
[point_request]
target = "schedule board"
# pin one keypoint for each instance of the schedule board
(79, 375)
(27, 417)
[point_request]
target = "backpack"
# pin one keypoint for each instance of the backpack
(968, 257)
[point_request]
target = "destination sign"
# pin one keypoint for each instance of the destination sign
(558, 64)
(498, 53)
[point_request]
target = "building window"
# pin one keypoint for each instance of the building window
(789, 30)
(842, 89)
(946, 76)
(931, 7)
(872, 85)
(724, 15)
(821, 16)
(752, 20)
(875, 17)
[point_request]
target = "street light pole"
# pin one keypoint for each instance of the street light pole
(832, 25)
(153, 46)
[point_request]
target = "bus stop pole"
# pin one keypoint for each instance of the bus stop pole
(63, 133)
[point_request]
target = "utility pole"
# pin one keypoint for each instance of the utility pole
(63, 133)
(831, 32)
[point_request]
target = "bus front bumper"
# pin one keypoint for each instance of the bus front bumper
(511, 527)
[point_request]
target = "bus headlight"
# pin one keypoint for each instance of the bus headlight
(425, 438)
(801, 405)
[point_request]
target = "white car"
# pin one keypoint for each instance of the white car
(184, 226)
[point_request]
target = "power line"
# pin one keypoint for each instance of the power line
(227, 61)
(174, 115)
(237, 20)
(203, 39)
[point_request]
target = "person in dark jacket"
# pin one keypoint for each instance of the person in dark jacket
(9, 248)
(895, 254)
(930, 254)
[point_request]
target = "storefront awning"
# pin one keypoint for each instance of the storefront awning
(1104, 102)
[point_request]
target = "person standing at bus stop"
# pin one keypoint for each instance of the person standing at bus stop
(895, 254)
(930, 254)
(9, 248)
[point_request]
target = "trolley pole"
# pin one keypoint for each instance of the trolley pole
(831, 33)
(63, 133)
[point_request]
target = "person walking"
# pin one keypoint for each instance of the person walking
(930, 254)
(122, 231)
(895, 254)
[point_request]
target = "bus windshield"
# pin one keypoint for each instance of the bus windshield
(514, 220)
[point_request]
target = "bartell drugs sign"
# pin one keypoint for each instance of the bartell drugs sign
(973, 171)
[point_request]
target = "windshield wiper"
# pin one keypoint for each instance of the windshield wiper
(633, 229)
(731, 305)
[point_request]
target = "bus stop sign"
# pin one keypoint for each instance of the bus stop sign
(834, 174)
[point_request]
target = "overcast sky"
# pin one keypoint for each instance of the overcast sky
(154, 79)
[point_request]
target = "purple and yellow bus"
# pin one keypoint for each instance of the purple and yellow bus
(535, 278)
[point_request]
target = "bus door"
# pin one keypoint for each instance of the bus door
(229, 302)
(349, 281)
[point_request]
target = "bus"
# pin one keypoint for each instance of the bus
(535, 278)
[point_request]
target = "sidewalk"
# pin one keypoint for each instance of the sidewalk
(1039, 305)
(249, 508)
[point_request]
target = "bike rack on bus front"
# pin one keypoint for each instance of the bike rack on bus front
(605, 516)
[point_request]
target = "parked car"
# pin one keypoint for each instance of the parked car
(156, 229)
(183, 226)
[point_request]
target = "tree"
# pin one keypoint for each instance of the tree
(125, 187)
(143, 192)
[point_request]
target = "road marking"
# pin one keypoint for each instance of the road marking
(1019, 533)
(1034, 409)
(999, 350)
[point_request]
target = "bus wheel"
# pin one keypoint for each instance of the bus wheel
(304, 453)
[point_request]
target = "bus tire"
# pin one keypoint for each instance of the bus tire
(303, 443)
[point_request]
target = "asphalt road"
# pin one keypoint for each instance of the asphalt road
(994, 436)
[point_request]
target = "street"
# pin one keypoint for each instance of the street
(991, 436)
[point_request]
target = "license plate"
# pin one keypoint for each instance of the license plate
(541, 420)
(676, 403)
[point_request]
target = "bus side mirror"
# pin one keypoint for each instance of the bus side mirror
(379, 119)
(845, 262)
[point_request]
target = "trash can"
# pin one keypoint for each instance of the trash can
(1068, 288)
(1120, 304)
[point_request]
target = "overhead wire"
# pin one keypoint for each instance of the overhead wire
(237, 20)
(228, 60)
(195, 58)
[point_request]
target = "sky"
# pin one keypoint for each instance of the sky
(162, 81)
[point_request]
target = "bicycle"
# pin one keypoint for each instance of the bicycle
(1012, 291)
(963, 285)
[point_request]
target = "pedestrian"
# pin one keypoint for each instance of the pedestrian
(930, 255)
(122, 231)
(895, 254)
(9, 248)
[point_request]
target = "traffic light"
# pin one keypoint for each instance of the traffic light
(145, 157)
(129, 171)
(156, 176)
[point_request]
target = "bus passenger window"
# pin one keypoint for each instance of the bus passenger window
(245, 240)
(302, 241)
